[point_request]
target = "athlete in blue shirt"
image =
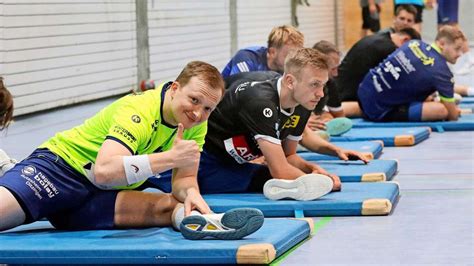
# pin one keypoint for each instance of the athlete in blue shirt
(281, 41)
(396, 89)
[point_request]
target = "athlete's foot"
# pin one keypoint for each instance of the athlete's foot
(233, 224)
(6, 163)
(306, 187)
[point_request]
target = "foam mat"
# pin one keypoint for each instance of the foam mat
(465, 122)
(39, 243)
(393, 136)
(357, 171)
(354, 199)
(372, 149)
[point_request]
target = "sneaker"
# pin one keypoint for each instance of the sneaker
(231, 225)
(6, 163)
(305, 187)
(338, 126)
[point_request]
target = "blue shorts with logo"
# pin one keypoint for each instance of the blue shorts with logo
(220, 176)
(46, 186)
(448, 11)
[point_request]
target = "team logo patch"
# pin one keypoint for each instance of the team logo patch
(267, 112)
(136, 119)
(29, 170)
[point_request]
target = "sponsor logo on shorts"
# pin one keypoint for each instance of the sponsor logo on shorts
(136, 119)
(239, 149)
(29, 170)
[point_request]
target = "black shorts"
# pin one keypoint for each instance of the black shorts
(419, 12)
(404, 113)
(369, 22)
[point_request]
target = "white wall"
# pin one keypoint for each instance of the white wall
(56, 53)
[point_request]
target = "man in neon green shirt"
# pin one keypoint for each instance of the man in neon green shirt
(82, 178)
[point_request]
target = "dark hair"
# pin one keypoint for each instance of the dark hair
(6, 106)
(205, 72)
(408, 8)
(411, 32)
(326, 47)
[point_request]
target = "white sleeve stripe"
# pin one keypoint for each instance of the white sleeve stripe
(294, 138)
(242, 66)
(268, 138)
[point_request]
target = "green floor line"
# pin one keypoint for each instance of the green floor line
(317, 226)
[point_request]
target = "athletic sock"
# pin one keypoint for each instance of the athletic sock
(178, 216)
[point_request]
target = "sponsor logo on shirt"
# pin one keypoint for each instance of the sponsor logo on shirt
(267, 112)
(238, 148)
(136, 119)
(125, 133)
(292, 122)
(426, 60)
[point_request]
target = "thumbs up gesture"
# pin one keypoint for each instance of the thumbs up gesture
(185, 152)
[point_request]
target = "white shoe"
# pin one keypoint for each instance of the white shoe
(6, 163)
(305, 187)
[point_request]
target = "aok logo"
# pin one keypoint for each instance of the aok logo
(29, 170)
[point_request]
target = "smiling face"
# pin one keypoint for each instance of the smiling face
(308, 88)
(192, 103)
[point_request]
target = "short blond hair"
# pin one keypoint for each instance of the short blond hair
(299, 59)
(285, 34)
(207, 73)
(450, 33)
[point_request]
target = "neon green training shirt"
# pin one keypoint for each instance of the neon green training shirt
(134, 120)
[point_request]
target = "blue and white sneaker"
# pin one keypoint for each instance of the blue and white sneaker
(305, 187)
(233, 224)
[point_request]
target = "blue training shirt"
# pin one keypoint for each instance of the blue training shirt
(247, 60)
(410, 74)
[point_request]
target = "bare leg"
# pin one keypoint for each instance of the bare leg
(352, 109)
(10, 210)
(433, 111)
(143, 209)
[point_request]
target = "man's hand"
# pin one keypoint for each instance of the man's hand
(351, 155)
(335, 179)
(194, 201)
(316, 123)
(185, 152)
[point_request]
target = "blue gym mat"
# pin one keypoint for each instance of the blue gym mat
(372, 149)
(467, 99)
(39, 243)
(391, 137)
(354, 199)
(357, 171)
(465, 122)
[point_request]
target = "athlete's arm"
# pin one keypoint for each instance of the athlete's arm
(276, 160)
(453, 111)
(109, 169)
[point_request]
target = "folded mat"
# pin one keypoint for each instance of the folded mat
(371, 149)
(465, 122)
(394, 136)
(39, 243)
(357, 171)
(467, 99)
(354, 199)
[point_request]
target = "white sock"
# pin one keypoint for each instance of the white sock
(470, 91)
(179, 216)
(4, 168)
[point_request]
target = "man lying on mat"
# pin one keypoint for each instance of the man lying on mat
(81, 178)
(257, 118)
(396, 89)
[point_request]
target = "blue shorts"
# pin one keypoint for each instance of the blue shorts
(448, 11)
(219, 176)
(46, 186)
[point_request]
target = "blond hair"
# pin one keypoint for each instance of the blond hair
(299, 59)
(285, 34)
(205, 72)
(450, 33)
(6, 106)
